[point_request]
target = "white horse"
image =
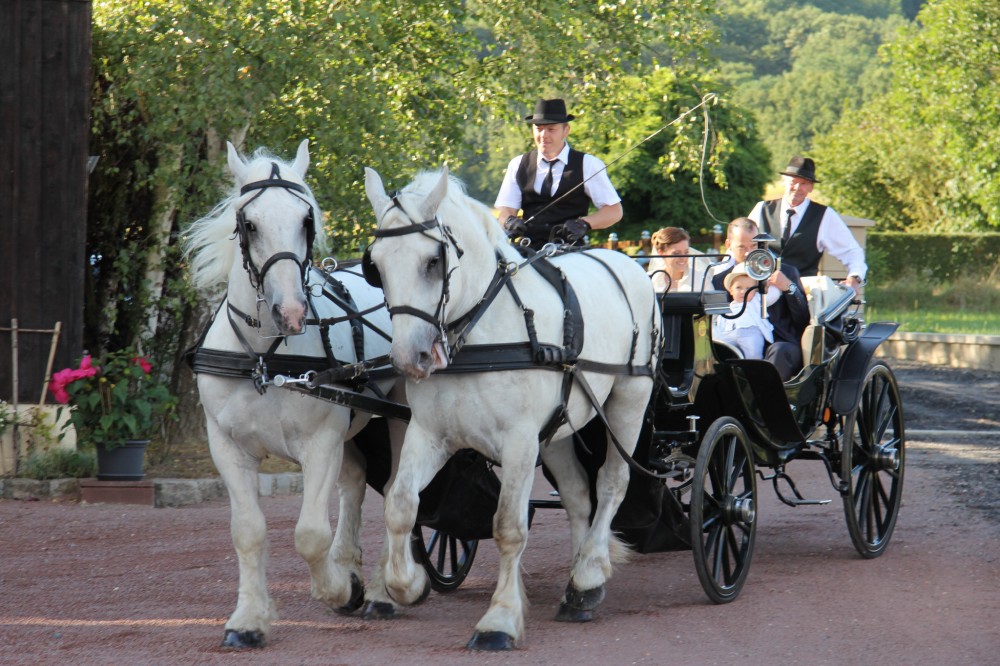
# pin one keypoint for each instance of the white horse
(440, 257)
(260, 329)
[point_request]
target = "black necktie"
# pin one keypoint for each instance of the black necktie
(788, 227)
(547, 183)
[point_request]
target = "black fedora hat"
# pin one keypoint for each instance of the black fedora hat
(549, 112)
(801, 167)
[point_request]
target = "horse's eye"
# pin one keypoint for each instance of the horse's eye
(432, 264)
(251, 227)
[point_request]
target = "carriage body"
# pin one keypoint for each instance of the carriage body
(718, 422)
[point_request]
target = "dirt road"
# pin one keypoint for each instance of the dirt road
(112, 584)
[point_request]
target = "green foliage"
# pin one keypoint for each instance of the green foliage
(399, 86)
(663, 180)
(114, 398)
(923, 155)
(937, 257)
(58, 464)
(801, 66)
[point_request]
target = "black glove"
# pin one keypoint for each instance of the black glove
(573, 230)
(515, 226)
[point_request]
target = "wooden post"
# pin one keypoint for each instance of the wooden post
(52, 357)
(15, 435)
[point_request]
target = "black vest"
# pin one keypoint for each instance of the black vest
(800, 250)
(577, 204)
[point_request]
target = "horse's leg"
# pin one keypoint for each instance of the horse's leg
(378, 604)
(574, 489)
(321, 460)
(592, 566)
(345, 556)
(250, 624)
(502, 627)
(421, 457)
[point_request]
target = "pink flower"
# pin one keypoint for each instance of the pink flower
(143, 363)
(65, 377)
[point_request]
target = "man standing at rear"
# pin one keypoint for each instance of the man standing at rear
(806, 229)
(555, 185)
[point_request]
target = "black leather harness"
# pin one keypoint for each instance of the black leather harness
(529, 355)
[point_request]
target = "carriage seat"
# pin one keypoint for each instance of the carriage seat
(828, 300)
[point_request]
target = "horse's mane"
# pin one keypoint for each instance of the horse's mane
(457, 206)
(210, 243)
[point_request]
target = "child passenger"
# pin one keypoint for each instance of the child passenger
(749, 332)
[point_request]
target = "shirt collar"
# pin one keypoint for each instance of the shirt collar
(563, 155)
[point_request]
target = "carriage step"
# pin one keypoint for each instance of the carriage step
(798, 500)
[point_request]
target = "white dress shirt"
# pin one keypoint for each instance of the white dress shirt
(596, 183)
(834, 235)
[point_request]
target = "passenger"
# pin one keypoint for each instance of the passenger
(787, 307)
(807, 229)
(749, 332)
(555, 185)
(675, 274)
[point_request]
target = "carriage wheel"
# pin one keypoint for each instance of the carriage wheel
(723, 510)
(873, 452)
(446, 559)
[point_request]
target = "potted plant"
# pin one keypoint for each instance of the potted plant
(117, 403)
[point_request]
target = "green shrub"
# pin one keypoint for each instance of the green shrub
(937, 257)
(58, 464)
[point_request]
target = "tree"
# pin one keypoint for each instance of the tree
(682, 176)
(800, 66)
(400, 86)
(924, 154)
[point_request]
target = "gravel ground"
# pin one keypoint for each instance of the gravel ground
(115, 584)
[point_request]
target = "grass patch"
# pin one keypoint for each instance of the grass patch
(967, 305)
(58, 464)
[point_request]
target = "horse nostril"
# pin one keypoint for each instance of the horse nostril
(424, 359)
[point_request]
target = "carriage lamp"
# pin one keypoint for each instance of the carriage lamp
(760, 265)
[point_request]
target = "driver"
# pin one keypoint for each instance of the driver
(546, 184)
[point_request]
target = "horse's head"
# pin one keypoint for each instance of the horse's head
(276, 223)
(432, 250)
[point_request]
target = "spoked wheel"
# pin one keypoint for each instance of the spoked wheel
(723, 510)
(873, 452)
(446, 559)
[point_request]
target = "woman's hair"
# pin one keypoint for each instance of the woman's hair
(670, 236)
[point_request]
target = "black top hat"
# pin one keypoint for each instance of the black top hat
(549, 112)
(801, 167)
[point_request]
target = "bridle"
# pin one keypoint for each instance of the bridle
(244, 228)
(372, 276)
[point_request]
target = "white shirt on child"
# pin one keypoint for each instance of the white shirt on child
(748, 332)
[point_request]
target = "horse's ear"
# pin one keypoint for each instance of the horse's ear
(236, 163)
(375, 191)
(301, 163)
(437, 195)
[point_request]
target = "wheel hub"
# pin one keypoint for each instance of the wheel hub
(740, 510)
(886, 458)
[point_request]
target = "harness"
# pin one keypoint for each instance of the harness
(352, 378)
(531, 354)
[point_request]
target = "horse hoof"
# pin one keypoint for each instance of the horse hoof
(379, 610)
(569, 613)
(492, 641)
(357, 597)
(243, 639)
(584, 599)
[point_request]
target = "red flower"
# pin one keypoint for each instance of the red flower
(143, 363)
